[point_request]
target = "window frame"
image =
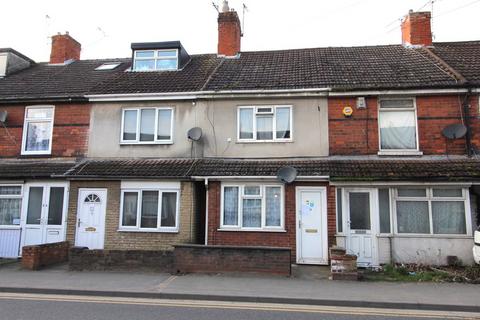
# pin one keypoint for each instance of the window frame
(159, 228)
(429, 198)
(13, 196)
(137, 131)
(274, 124)
(262, 196)
(155, 58)
(380, 110)
(26, 121)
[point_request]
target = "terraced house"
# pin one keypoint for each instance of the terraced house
(376, 148)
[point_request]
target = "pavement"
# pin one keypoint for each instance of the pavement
(308, 286)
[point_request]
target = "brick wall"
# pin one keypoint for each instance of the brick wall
(271, 239)
(70, 130)
(36, 257)
(220, 259)
(358, 135)
(116, 240)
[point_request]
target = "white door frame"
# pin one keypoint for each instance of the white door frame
(26, 194)
(324, 223)
(79, 207)
(374, 218)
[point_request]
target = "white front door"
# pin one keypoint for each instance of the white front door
(44, 213)
(312, 236)
(360, 205)
(92, 204)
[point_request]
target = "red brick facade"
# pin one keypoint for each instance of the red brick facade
(70, 131)
(358, 134)
(271, 239)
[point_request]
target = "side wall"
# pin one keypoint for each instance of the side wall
(115, 240)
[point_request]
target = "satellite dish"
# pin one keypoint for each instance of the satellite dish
(195, 133)
(287, 174)
(3, 116)
(455, 131)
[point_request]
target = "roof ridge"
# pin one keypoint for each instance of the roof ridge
(443, 63)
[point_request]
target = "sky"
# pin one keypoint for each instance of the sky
(106, 28)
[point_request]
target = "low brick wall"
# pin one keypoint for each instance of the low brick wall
(220, 259)
(343, 266)
(121, 260)
(38, 256)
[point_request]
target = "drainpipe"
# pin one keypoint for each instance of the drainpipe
(206, 211)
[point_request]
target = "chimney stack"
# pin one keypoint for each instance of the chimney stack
(64, 48)
(416, 29)
(229, 32)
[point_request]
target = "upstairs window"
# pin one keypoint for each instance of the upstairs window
(155, 60)
(147, 125)
(37, 130)
(265, 123)
(397, 122)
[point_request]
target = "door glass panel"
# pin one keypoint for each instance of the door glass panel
(359, 210)
(55, 207)
(34, 209)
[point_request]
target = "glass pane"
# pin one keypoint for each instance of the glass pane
(130, 125)
(34, 209)
(339, 210)
(447, 193)
(230, 206)
(246, 123)
(169, 209)
(384, 208)
(403, 192)
(130, 205)
(167, 64)
(283, 123)
(273, 203)
(164, 124)
(252, 213)
(38, 136)
(264, 127)
(144, 54)
(147, 125)
(359, 210)
(10, 211)
(251, 190)
(397, 130)
(412, 217)
(10, 190)
(55, 206)
(149, 216)
(144, 65)
(396, 103)
(39, 113)
(448, 217)
(167, 53)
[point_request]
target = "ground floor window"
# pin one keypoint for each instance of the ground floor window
(149, 210)
(252, 206)
(10, 205)
(431, 210)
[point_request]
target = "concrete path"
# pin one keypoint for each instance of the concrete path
(451, 296)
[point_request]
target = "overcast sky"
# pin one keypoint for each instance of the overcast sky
(105, 28)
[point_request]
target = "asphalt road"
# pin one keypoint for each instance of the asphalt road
(51, 307)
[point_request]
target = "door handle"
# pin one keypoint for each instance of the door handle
(299, 224)
(78, 223)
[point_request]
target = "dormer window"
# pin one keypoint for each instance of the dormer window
(155, 60)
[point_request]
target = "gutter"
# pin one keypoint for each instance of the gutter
(299, 178)
(44, 100)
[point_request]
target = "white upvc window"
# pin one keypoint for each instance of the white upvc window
(10, 205)
(264, 123)
(397, 125)
(155, 60)
(255, 207)
(432, 211)
(147, 126)
(149, 210)
(37, 130)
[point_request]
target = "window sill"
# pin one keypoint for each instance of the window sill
(400, 153)
(433, 236)
(251, 230)
(148, 231)
(10, 227)
(144, 143)
(262, 141)
(43, 153)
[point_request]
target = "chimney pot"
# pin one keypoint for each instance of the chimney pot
(229, 33)
(64, 48)
(416, 29)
